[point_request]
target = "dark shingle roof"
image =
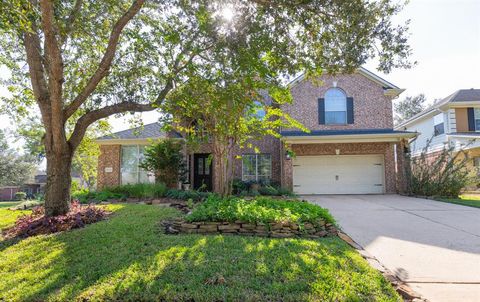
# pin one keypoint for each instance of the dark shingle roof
(466, 95)
(343, 132)
(153, 130)
(462, 95)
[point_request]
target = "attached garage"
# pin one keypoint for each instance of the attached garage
(339, 174)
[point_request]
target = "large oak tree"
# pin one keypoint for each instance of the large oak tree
(79, 61)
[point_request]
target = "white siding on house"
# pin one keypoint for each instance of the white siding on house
(452, 122)
(425, 128)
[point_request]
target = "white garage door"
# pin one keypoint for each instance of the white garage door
(338, 174)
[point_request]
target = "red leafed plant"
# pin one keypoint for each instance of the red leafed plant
(37, 223)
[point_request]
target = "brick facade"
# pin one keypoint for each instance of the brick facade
(372, 109)
(109, 159)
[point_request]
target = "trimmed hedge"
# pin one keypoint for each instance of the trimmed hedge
(261, 209)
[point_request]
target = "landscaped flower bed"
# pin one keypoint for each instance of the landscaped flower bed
(262, 216)
(37, 223)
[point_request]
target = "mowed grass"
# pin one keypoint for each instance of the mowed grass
(464, 200)
(7, 217)
(128, 258)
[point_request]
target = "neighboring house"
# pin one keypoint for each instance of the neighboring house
(31, 187)
(8, 192)
(453, 121)
(350, 149)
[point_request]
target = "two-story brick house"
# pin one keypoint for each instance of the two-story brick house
(453, 121)
(351, 148)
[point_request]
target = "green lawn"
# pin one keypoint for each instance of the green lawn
(8, 217)
(465, 200)
(8, 204)
(127, 258)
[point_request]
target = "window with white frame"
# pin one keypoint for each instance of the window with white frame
(477, 118)
(438, 124)
(257, 167)
(131, 172)
(335, 107)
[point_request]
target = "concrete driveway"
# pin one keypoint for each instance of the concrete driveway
(431, 245)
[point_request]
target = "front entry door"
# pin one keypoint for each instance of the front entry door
(202, 172)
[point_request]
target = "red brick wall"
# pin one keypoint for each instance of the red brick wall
(269, 144)
(372, 109)
(109, 158)
(8, 193)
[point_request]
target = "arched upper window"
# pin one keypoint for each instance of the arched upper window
(335, 107)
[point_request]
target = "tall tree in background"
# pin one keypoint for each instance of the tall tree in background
(80, 61)
(15, 169)
(85, 157)
(408, 107)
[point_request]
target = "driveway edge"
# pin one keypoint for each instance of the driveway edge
(407, 293)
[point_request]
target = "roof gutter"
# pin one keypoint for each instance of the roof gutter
(351, 138)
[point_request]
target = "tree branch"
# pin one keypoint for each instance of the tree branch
(106, 61)
(71, 19)
(54, 65)
(35, 66)
(91, 117)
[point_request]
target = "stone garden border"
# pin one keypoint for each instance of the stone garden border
(242, 228)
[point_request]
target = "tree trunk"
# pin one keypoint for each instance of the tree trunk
(57, 190)
(223, 165)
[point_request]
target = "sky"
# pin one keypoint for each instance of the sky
(445, 38)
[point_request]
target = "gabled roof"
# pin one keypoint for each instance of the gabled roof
(459, 96)
(389, 88)
(151, 131)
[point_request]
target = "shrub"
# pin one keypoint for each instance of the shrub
(141, 190)
(254, 188)
(443, 174)
(75, 186)
(185, 195)
(261, 209)
(239, 186)
(166, 161)
(20, 196)
(37, 223)
(268, 190)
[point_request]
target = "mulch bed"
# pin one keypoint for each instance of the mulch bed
(37, 223)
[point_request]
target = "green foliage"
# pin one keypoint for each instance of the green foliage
(85, 158)
(186, 195)
(268, 190)
(464, 200)
(260, 209)
(408, 107)
(20, 196)
(443, 173)
(141, 190)
(74, 187)
(15, 169)
(253, 188)
(166, 160)
(126, 258)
